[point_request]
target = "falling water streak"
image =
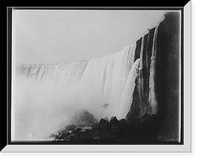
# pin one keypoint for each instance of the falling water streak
(152, 95)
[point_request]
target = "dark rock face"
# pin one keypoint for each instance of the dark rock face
(167, 69)
(138, 48)
(166, 76)
(141, 100)
(135, 106)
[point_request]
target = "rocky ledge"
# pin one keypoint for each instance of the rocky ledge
(143, 129)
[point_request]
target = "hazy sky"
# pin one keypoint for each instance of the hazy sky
(69, 35)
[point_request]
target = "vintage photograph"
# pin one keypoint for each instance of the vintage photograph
(97, 76)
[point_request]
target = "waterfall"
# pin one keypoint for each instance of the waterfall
(109, 77)
(113, 85)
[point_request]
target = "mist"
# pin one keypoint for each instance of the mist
(44, 107)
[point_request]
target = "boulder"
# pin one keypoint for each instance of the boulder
(114, 125)
(77, 130)
(114, 120)
(84, 118)
(104, 125)
(69, 128)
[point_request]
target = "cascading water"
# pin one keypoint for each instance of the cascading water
(105, 86)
